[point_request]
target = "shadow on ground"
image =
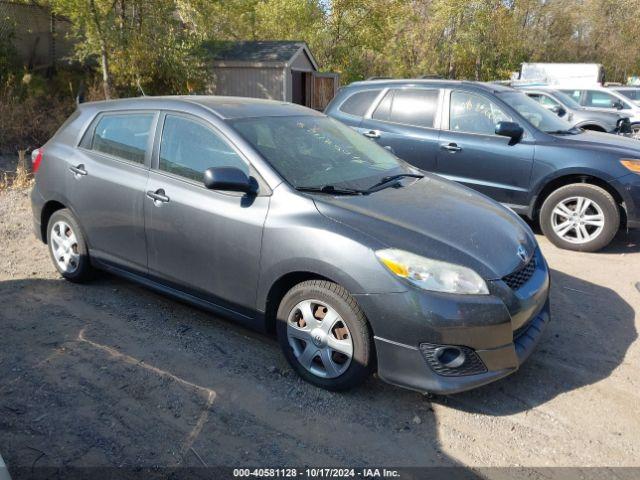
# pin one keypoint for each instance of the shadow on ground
(112, 374)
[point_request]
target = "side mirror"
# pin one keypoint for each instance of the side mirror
(618, 105)
(230, 179)
(561, 112)
(511, 130)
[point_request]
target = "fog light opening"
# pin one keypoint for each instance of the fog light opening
(450, 357)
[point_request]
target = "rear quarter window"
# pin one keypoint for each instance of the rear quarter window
(125, 135)
(358, 103)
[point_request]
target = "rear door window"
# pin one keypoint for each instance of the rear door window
(409, 106)
(358, 103)
(188, 148)
(123, 135)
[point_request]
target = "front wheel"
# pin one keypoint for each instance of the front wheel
(324, 335)
(580, 217)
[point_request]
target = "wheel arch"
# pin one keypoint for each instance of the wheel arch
(279, 289)
(568, 179)
(595, 127)
(48, 209)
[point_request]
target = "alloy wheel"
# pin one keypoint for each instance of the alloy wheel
(64, 246)
(320, 339)
(577, 220)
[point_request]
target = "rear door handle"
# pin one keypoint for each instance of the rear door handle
(372, 134)
(450, 147)
(78, 170)
(158, 196)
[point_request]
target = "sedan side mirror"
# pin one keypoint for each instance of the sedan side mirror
(618, 105)
(229, 179)
(511, 130)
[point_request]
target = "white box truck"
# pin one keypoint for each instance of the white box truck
(576, 74)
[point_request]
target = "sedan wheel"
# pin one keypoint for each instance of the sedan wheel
(320, 340)
(64, 246)
(324, 335)
(580, 217)
(67, 246)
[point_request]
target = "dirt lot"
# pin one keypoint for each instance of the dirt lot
(110, 373)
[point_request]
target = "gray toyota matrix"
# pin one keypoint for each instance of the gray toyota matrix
(288, 221)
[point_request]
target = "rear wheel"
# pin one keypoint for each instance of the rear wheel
(581, 217)
(324, 335)
(67, 247)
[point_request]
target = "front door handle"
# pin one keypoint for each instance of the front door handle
(372, 134)
(450, 147)
(158, 196)
(78, 170)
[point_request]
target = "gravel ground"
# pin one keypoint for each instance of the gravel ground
(110, 373)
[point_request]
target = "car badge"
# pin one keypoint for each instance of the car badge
(522, 253)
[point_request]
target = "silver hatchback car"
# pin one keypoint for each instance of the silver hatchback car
(285, 219)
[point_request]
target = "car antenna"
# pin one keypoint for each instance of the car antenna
(140, 87)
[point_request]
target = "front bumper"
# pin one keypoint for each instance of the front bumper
(501, 329)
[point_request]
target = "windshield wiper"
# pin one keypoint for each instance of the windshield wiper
(331, 190)
(390, 180)
(571, 131)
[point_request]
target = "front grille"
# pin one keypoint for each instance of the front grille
(471, 366)
(518, 278)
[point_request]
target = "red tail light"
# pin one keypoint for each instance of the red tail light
(36, 159)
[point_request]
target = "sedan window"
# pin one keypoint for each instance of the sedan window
(123, 135)
(409, 106)
(188, 148)
(313, 151)
(473, 113)
(599, 99)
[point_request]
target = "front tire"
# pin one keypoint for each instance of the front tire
(324, 335)
(581, 217)
(67, 247)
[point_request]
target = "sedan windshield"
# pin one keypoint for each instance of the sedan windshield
(537, 115)
(319, 152)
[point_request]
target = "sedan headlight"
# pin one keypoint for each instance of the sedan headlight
(431, 274)
(632, 164)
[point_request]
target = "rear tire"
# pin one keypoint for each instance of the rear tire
(324, 335)
(581, 217)
(67, 247)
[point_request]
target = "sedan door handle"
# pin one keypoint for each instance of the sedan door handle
(372, 134)
(450, 147)
(78, 170)
(158, 196)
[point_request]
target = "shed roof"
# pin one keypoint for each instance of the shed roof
(273, 52)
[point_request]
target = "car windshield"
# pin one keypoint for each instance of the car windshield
(536, 114)
(630, 93)
(316, 152)
(566, 99)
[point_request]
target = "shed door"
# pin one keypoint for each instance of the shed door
(323, 87)
(299, 87)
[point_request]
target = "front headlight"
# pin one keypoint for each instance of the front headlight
(432, 274)
(632, 164)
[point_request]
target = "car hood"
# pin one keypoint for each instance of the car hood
(438, 219)
(602, 141)
(605, 117)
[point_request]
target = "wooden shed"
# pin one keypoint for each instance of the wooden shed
(277, 70)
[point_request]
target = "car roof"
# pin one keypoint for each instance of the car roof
(385, 83)
(224, 107)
